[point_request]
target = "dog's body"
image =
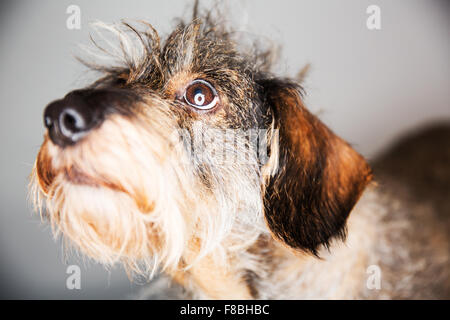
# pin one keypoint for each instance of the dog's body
(217, 216)
(391, 234)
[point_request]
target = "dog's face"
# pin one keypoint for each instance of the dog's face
(187, 149)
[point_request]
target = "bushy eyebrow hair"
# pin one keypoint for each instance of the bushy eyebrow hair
(135, 52)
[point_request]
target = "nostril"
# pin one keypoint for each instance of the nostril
(72, 124)
(72, 120)
(69, 121)
(48, 122)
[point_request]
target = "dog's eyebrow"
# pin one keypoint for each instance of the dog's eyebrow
(129, 51)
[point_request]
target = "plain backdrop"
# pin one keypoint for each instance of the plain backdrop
(368, 86)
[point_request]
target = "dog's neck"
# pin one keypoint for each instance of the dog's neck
(268, 269)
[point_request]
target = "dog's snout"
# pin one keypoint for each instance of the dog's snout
(71, 118)
(66, 122)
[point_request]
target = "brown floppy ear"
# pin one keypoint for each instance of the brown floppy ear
(319, 178)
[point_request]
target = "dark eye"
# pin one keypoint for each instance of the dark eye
(201, 95)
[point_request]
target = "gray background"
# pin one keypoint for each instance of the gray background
(368, 86)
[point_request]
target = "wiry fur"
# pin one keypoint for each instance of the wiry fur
(95, 193)
(131, 191)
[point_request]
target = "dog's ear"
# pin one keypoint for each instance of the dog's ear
(319, 177)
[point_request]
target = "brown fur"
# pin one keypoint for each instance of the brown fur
(320, 178)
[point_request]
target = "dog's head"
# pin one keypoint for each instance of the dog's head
(188, 147)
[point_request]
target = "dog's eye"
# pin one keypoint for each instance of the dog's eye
(201, 95)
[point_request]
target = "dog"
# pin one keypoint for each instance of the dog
(188, 156)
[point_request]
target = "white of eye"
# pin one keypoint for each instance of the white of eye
(199, 99)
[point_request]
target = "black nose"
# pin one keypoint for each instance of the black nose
(71, 118)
